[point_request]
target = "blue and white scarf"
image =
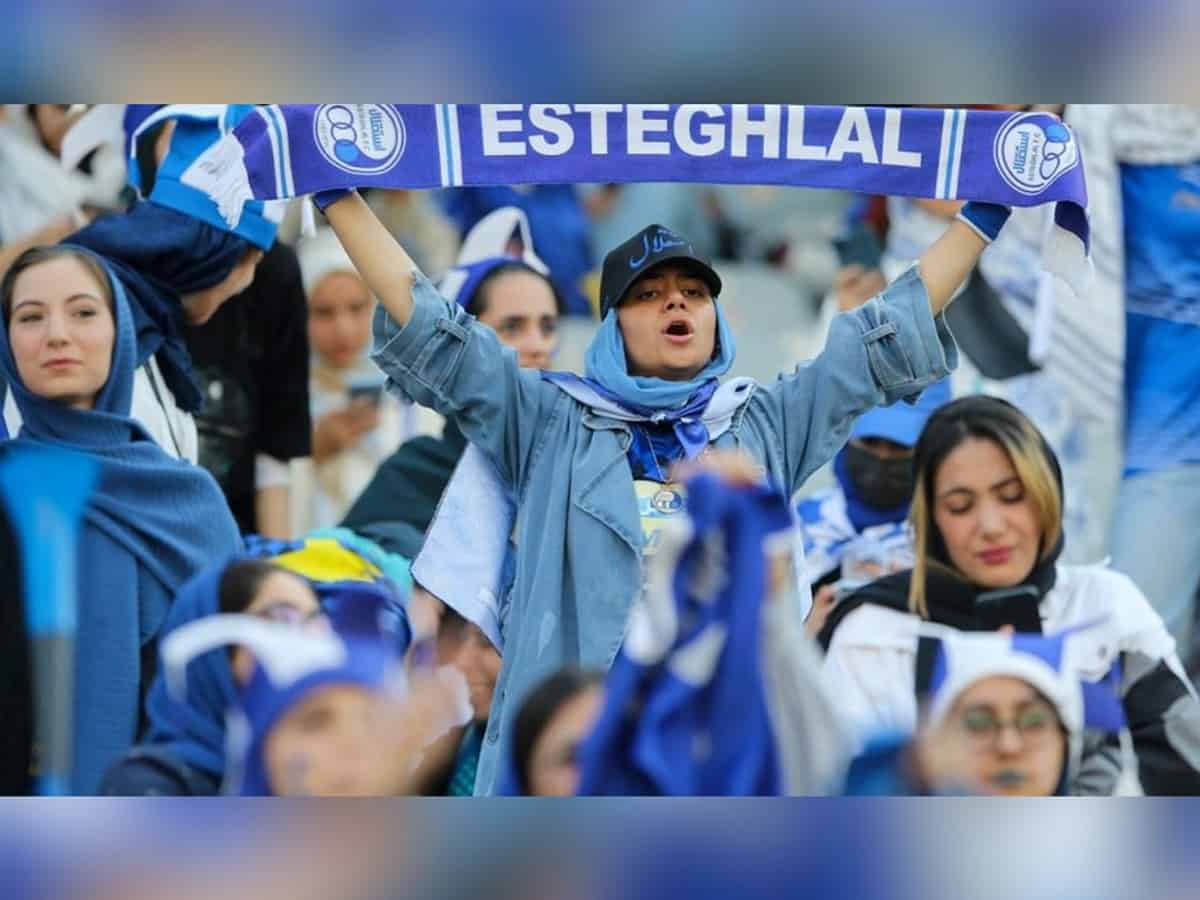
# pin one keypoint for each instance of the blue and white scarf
(1015, 159)
(704, 416)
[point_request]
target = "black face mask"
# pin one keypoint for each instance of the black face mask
(881, 483)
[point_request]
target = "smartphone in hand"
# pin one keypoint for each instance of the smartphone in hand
(1018, 607)
(366, 393)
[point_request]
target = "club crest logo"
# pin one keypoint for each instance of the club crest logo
(667, 502)
(360, 138)
(1033, 151)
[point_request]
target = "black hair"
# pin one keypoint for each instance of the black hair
(539, 707)
(477, 304)
(35, 256)
(241, 581)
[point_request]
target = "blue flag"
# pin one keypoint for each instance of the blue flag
(686, 709)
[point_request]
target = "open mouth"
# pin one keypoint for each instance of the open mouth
(678, 331)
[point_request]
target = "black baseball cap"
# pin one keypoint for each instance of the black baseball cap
(648, 248)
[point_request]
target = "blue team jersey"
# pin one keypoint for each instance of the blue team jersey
(1162, 321)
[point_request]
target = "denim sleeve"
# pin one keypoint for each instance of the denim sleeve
(446, 360)
(889, 349)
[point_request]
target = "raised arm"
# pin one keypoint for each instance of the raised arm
(946, 265)
(384, 265)
(890, 348)
(435, 353)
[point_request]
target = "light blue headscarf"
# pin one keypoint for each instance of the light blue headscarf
(607, 365)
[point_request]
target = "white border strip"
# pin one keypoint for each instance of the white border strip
(276, 152)
(943, 154)
(287, 152)
(443, 162)
(956, 151)
(283, 151)
(456, 176)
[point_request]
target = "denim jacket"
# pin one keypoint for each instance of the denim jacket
(578, 569)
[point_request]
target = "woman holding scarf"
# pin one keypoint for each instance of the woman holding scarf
(987, 533)
(590, 459)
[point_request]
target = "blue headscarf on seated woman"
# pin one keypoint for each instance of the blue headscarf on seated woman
(151, 524)
(190, 733)
(361, 649)
(184, 750)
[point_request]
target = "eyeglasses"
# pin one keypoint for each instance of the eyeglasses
(288, 613)
(1035, 724)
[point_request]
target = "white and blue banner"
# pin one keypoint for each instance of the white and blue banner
(1015, 159)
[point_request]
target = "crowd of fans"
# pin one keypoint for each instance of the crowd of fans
(359, 525)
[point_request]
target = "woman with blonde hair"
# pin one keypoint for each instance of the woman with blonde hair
(987, 532)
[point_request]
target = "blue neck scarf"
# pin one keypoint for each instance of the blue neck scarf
(660, 400)
(861, 514)
(151, 524)
(673, 411)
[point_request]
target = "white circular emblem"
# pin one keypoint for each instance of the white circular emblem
(666, 502)
(361, 138)
(1032, 151)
